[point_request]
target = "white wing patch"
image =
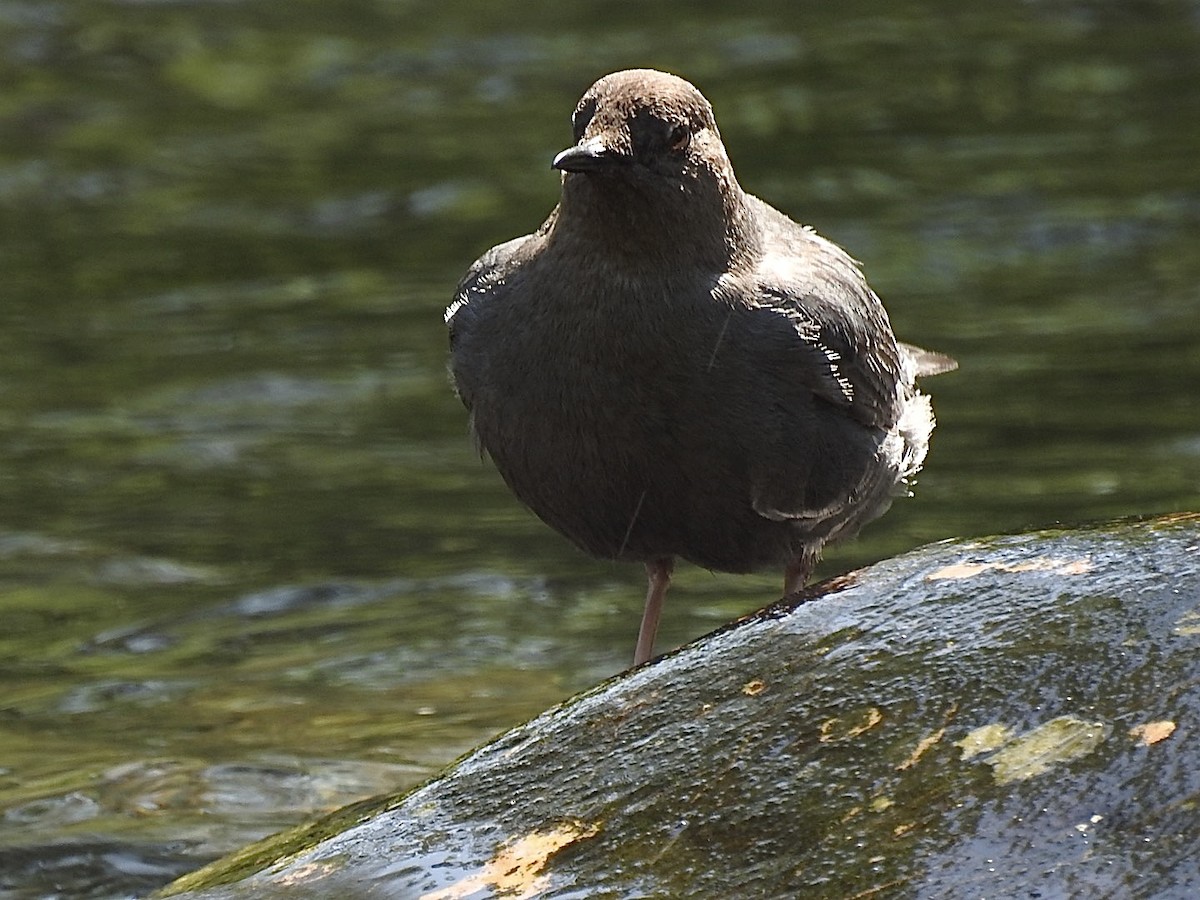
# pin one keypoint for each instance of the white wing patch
(810, 333)
(459, 303)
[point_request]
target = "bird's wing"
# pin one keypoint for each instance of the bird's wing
(485, 284)
(849, 356)
(486, 278)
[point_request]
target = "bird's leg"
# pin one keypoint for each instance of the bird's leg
(658, 576)
(795, 576)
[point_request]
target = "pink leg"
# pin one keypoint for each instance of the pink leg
(658, 574)
(795, 576)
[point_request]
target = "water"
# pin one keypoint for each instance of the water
(250, 566)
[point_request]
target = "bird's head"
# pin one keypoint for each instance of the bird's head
(647, 152)
(640, 122)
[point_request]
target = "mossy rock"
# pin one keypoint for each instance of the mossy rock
(1012, 717)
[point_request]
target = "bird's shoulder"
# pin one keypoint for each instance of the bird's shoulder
(809, 286)
(493, 274)
(488, 276)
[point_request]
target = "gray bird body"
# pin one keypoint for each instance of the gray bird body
(669, 367)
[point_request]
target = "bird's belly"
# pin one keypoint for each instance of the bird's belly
(624, 478)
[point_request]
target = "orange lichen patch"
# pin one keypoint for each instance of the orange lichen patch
(1054, 743)
(516, 869)
(1152, 732)
(1047, 564)
(1188, 624)
(922, 745)
(1061, 567)
(305, 874)
(878, 889)
(850, 814)
(984, 739)
(842, 727)
(1175, 518)
(959, 570)
(754, 688)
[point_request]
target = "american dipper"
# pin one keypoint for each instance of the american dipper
(669, 367)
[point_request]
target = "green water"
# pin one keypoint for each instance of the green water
(250, 566)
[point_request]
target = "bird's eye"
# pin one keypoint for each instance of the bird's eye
(582, 116)
(680, 136)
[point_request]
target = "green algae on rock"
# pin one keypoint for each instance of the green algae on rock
(896, 733)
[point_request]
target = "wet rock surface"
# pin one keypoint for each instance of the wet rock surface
(1007, 717)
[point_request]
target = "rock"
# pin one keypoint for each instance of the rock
(1010, 717)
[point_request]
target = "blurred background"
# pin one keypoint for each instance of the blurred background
(250, 566)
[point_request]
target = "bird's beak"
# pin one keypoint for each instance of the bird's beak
(586, 156)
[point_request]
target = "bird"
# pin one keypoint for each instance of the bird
(670, 368)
